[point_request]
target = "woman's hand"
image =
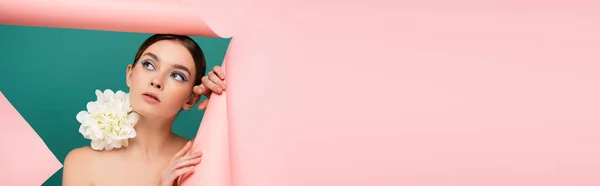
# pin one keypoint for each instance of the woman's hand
(212, 82)
(180, 165)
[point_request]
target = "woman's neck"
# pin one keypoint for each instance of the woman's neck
(152, 136)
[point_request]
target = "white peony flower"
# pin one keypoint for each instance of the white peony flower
(108, 121)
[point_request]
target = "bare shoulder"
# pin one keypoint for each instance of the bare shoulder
(77, 165)
(81, 155)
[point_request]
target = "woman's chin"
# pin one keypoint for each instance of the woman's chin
(152, 114)
(146, 114)
(144, 110)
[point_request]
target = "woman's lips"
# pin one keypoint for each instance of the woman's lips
(150, 98)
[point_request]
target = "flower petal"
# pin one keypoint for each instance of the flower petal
(120, 95)
(82, 116)
(99, 95)
(97, 145)
(133, 118)
(92, 107)
(132, 134)
(108, 93)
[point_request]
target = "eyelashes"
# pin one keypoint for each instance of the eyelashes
(148, 64)
(179, 76)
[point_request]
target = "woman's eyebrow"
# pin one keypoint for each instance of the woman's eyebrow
(177, 66)
(181, 67)
(154, 56)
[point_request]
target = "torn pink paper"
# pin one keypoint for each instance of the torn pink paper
(427, 93)
(213, 140)
(394, 93)
(25, 159)
(132, 16)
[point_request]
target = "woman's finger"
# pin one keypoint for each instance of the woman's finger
(199, 89)
(177, 173)
(183, 161)
(181, 171)
(188, 162)
(183, 151)
(187, 157)
(219, 71)
(203, 105)
(210, 85)
(215, 79)
(190, 156)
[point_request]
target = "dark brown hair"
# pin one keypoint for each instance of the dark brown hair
(187, 42)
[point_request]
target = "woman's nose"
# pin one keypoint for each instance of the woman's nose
(156, 83)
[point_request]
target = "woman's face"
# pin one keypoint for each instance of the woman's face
(161, 82)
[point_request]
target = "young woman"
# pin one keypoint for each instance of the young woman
(164, 78)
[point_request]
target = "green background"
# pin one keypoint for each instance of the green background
(49, 75)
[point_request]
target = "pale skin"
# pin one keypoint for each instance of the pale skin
(156, 156)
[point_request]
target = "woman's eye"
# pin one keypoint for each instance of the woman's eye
(148, 65)
(179, 76)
